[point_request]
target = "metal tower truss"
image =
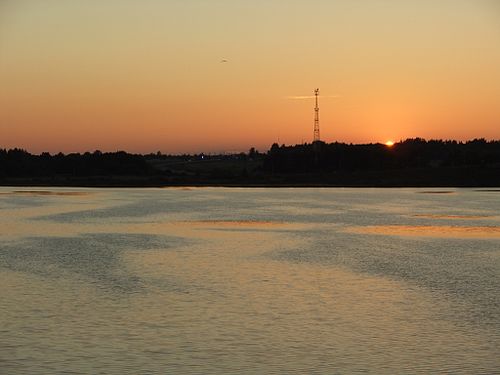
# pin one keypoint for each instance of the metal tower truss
(316, 137)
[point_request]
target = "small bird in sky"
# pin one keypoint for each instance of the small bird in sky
(223, 61)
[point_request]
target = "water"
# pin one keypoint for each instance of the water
(219, 280)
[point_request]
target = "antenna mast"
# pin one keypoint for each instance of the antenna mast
(316, 117)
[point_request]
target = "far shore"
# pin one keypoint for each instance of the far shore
(145, 183)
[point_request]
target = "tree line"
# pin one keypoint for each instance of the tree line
(411, 153)
(413, 162)
(20, 163)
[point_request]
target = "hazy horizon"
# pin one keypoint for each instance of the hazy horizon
(233, 151)
(223, 76)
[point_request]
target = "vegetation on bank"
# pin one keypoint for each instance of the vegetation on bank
(413, 162)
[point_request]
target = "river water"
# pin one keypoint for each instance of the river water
(251, 281)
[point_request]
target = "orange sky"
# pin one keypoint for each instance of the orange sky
(147, 75)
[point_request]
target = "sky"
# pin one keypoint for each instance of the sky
(225, 75)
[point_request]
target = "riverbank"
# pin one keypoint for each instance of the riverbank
(422, 177)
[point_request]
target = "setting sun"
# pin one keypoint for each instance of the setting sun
(389, 143)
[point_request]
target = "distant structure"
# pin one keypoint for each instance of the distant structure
(316, 137)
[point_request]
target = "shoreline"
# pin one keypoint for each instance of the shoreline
(486, 188)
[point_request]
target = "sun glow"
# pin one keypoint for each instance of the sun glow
(389, 143)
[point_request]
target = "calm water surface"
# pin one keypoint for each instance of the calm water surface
(219, 280)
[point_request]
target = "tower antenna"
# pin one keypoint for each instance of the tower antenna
(316, 117)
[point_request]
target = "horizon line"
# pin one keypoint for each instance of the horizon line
(236, 152)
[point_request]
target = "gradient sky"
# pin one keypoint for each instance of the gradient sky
(146, 75)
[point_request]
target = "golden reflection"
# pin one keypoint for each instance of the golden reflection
(472, 217)
(430, 231)
(46, 192)
(231, 223)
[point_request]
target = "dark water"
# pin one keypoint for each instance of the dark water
(216, 280)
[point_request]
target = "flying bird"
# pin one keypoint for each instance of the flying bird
(223, 61)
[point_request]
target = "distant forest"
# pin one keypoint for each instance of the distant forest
(412, 153)
(413, 162)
